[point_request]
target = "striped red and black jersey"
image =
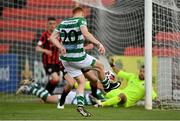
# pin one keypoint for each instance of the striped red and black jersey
(46, 44)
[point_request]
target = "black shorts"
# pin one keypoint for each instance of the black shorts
(51, 68)
(85, 70)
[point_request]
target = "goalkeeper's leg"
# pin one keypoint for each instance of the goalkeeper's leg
(119, 99)
(113, 101)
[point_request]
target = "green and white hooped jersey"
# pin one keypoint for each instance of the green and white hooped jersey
(72, 38)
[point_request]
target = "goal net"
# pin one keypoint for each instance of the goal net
(118, 24)
(166, 28)
(121, 26)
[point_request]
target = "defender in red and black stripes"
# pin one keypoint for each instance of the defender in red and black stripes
(50, 56)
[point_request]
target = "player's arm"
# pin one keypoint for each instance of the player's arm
(54, 39)
(156, 100)
(89, 47)
(92, 39)
(111, 62)
(42, 50)
(39, 47)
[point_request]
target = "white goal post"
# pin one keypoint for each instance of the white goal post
(148, 53)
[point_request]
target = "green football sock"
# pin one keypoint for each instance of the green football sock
(106, 83)
(111, 101)
(80, 100)
(39, 92)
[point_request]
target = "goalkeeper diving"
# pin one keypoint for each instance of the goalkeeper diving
(131, 94)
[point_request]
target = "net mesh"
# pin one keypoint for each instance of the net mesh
(121, 26)
(22, 22)
(118, 24)
(166, 45)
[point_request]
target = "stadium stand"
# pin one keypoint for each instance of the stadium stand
(134, 51)
(108, 2)
(167, 36)
(32, 12)
(4, 48)
(16, 25)
(23, 23)
(54, 3)
(17, 36)
(163, 52)
(160, 39)
(15, 18)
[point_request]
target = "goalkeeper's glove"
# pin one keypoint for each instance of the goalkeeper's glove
(111, 62)
(157, 103)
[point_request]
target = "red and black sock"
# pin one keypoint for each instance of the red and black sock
(51, 85)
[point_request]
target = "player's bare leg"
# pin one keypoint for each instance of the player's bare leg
(92, 77)
(52, 99)
(66, 90)
(35, 89)
(52, 83)
(101, 75)
(80, 96)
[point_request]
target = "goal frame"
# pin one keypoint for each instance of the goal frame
(148, 53)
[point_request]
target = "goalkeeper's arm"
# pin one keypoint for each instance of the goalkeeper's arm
(120, 73)
(115, 69)
(156, 100)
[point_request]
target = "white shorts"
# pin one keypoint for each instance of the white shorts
(74, 68)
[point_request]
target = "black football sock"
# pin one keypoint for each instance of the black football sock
(94, 89)
(63, 97)
(51, 85)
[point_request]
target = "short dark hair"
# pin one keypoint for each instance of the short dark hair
(51, 19)
(77, 9)
(142, 66)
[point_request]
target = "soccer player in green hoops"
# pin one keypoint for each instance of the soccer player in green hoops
(131, 94)
(72, 31)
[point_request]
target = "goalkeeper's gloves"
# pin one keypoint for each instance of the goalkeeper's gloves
(111, 62)
(157, 103)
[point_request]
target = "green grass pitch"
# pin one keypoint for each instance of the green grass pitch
(35, 110)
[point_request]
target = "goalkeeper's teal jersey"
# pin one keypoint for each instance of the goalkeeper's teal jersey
(135, 89)
(72, 38)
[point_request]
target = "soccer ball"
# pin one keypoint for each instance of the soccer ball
(110, 75)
